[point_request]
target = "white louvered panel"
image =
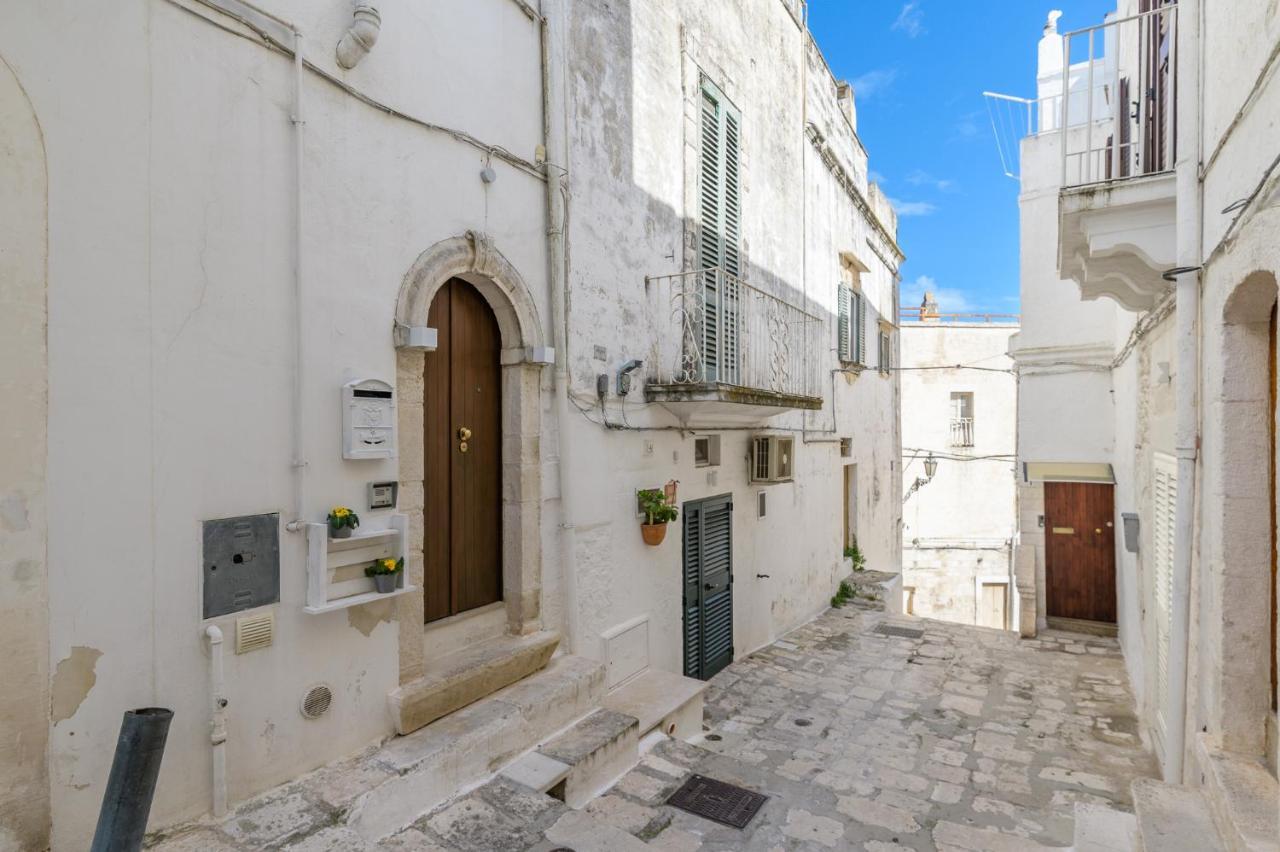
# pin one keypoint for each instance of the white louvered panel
(1164, 497)
(255, 632)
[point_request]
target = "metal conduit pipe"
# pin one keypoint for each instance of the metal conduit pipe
(218, 723)
(298, 522)
(1186, 377)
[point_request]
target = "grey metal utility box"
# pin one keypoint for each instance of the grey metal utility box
(241, 563)
(1130, 520)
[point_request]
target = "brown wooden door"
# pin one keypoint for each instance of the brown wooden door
(1080, 557)
(462, 549)
(1271, 428)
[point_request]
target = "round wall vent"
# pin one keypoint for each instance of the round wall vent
(317, 700)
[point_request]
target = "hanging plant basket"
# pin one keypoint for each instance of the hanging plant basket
(653, 534)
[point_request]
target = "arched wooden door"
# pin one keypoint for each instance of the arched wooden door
(462, 549)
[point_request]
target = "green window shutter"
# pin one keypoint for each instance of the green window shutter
(844, 334)
(860, 328)
(720, 232)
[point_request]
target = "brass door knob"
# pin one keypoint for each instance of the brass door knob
(464, 434)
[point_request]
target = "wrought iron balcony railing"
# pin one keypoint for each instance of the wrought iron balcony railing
(724, 331)
(962, 431)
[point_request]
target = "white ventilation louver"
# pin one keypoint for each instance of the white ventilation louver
(255, 632)
(317, 701)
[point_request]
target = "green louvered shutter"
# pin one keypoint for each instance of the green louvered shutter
(860, 328)
(844, 334)
(708, 586)
(720, 233)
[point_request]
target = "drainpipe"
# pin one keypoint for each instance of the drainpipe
(1186, 379)
(218, 726)
(554, 102)
(298, 522)
(360, 37)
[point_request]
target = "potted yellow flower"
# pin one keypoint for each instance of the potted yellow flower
(386, 574)
(342, 521)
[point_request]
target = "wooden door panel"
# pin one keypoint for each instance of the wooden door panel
(462, 549)
(1080, 575)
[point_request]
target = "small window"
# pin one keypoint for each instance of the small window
(762, 503)
(886, 352)
(706, 451)
(846, 447)
(962, 419)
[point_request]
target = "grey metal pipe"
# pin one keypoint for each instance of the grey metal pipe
(126, 803)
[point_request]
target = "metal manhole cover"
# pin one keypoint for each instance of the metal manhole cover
(717, 801)
(901, 632)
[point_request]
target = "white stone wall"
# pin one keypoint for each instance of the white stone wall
(960, 525)
(632, 144)
(170, 156)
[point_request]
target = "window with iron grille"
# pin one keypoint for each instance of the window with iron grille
(962, 419)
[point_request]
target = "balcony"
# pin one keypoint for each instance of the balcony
(1106, 105)
(962, 432)
(733, 353)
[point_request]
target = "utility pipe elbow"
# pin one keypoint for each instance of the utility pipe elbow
(360, 37)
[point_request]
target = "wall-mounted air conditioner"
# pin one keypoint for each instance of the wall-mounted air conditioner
(772, 458)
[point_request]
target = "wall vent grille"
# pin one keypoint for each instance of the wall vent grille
(317, 701)
(255, 632)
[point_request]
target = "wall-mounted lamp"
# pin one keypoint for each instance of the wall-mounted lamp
(930, 466)
(624, 376)
(419, 337)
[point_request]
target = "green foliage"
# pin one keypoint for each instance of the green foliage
(859, 561)
(843, 595)
(341, 516)
(653, 502)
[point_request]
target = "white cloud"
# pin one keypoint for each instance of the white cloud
(876, 177)
(910, 20)
(968, 126)
(949, 301)
(913, 208)
(873, 83)
(919, 177)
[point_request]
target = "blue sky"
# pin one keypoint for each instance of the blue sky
(919, 68)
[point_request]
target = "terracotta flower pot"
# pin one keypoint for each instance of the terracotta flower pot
(653, 534)
(384, 583)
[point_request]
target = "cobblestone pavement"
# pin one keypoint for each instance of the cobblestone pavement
(962, 739)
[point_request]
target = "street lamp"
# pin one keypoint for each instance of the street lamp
(930, 466)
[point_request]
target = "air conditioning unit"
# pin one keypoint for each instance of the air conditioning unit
(772, 458)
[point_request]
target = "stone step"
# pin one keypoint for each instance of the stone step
(455, 680)
(1099, 828)
(1244, 799)
(598, 750)
(434, 763)
(1172, 818)
(661, 700)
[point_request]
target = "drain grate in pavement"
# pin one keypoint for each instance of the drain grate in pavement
(717, 801)
(901, 632)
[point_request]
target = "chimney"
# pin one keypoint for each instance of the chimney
(844, 97)
(928, 309)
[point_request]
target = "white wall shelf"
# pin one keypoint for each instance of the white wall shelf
(335, 566)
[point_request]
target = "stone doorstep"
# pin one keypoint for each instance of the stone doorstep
(432, 764)
(466, 676)
(1099, 828)
(663, 700)
(1172, 818)
(1243, 798)
(598, 750)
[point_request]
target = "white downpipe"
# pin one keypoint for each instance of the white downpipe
(1186, 379)
(218, 725)
(360, 37)
(298, 522)
(553, 104)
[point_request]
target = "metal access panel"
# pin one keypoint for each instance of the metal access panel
(241, 563)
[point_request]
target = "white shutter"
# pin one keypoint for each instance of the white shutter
(1165, 495)
(844, 338)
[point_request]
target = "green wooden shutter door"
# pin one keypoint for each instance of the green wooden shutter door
(708, 586)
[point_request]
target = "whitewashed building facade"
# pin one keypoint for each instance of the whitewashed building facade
(1146, 425)
(248, 277)
(959, 415)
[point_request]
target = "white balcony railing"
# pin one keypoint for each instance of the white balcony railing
(962, 431)
(725, 331)
(1117, 118)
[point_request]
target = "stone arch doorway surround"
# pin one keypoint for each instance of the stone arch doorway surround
(473, 258)
(1236, 594)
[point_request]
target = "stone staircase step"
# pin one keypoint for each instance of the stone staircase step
(581, 833)
(661, 700)
(1244, 799)
(1099, 828)
(598, 750)
(1172, 818)
(434, 763)
(455, 680)
(537, 771)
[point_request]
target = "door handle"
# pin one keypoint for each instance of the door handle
(706, 587)
(464, 435)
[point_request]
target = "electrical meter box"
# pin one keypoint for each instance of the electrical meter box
(368, 420)
(241, 563)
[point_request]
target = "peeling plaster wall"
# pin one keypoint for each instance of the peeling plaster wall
(632, 137)
(962, 523)
(24, 593)
(170, 151)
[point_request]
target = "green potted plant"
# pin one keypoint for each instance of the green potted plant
(342, 521)
(657, 514)
(385, 573)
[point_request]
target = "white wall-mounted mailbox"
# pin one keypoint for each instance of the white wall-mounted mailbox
(368, 420)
